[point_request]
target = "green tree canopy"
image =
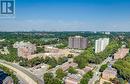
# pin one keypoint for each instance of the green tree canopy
(60, 73)
(72, 70)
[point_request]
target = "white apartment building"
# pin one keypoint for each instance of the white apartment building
(101, 44)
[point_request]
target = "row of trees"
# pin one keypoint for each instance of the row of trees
(61, 45)
(10, 73)
(89, 56)
(47, 60)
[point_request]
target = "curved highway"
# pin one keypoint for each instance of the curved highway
(23, 73)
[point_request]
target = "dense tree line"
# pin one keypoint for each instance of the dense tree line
(61, 45)
(40, 49)
(47, 60)
(83, 58)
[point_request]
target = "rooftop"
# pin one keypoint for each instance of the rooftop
(75, 77)
(110, 70)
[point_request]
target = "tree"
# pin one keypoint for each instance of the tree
(115, 81)
(62, 60)
(80, 61)
(40, 50)
(103, 67)
(48, 75)
(70, 56)
(61, 45)
(60, 74)
(57, 81)
(121, 81)
(23, 63)
(72, 70)
(86, 77)
(34, 61)
(52, 62)
(48, 78)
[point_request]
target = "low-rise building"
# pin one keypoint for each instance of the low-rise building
(84, 70)
(87, 69)
(66, 65)
(73, 79)
(25, 49)
(5, 79)
(121, 53)
(39, 70)
(109, 73)
(51, 49)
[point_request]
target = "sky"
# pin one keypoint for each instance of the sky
(69, 15)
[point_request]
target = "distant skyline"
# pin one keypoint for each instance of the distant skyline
(69, 15)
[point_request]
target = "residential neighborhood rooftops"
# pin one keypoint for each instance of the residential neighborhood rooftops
(109, 73)
(72, 79)
(65, 66)
(122, 52)
(87, 69)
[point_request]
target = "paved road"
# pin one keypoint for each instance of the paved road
(23, 73)
(97, 74)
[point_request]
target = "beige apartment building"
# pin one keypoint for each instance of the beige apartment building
(25, 49)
